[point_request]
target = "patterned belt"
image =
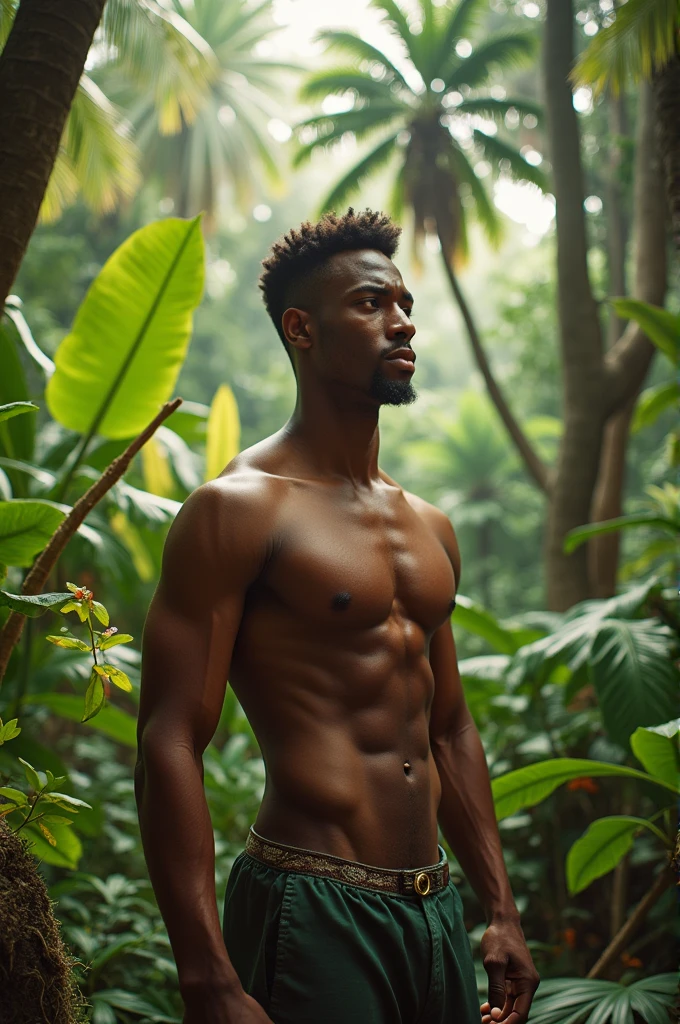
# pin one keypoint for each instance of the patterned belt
(421, 881)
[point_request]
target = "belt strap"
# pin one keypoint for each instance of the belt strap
(418, 881)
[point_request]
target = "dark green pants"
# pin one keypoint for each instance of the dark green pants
(315, 950)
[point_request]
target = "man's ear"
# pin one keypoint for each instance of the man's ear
(296, 327)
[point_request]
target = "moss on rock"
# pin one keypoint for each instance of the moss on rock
(37, 985)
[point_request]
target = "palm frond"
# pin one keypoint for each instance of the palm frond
(62, 189)
(486, 106)
(395, 17)
(641, 37)
(398, 23)
(8, 9)
(506, 52)
(351, 181)
(161, 51)
(358, 48)
(462, 20)
(495, 150)
(360, 122)
(484, 208)
(340, 80)
(102, 156)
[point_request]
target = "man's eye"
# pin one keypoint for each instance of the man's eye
(408, 311)
(374, 302)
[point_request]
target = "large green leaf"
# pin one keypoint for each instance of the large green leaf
(25, 528)
(660, 326)
(477, 620)
(656, 749)
(528, 786)
(224, 432)
(600, 849)
(580, 534)
(67, 851)
(569, 1000)
(111, 721)
(653, 401)
(130, 335)
(33, 605)
(634, 676)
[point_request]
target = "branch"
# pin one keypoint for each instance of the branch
(663, 880)
(47, 559)
(538, 471)
(627, 362)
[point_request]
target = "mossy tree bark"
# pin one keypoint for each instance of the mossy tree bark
(40, 67)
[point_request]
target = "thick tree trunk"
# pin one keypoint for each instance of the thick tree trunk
(667, 95)
(617, 222)
(536, 469)
(580, 333)
(40, 67)
(650, 286)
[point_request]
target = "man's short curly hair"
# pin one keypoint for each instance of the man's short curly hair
(303, 252)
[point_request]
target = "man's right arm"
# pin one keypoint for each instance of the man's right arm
(215, 549)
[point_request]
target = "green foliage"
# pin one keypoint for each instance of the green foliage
(420, 126)
(577, 1000)
(130, 335)
(8, 731)
(641, 36)
(7, 412)
(52, 838)
(527, 786)
(661, 326)
(25, 528)
(32, 605)
(604, 843)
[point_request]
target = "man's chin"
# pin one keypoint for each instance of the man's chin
(392, 392)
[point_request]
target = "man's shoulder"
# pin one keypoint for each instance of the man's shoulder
(439, 523)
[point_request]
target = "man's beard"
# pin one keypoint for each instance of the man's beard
(391, 392)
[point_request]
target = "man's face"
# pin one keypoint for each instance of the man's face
(360, 318)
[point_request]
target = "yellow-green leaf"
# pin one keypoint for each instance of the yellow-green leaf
(101, 612)
(112, 641)
(224, 432)
(156, 469)
(130, 335)
(69, 642)
(118, 677)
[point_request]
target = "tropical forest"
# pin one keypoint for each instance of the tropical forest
(151, 152)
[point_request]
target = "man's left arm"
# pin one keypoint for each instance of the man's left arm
(468, 822)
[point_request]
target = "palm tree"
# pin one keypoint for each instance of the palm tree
(640, 39)
(222, 140)
(158, 51)
(433, 120)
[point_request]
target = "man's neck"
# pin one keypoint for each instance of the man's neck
(336, 439)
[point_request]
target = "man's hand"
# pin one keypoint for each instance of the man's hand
(513, 979)
(215, 1005)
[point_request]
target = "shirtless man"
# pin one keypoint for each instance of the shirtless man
(323, 592)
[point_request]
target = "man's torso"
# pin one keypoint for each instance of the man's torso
(331, 664)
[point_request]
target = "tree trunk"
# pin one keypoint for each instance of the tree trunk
(579, 326)
(667, 95)
(632, 355)
(617, 222)
(40, 67)
(536, 469)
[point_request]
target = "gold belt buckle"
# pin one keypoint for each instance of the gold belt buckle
(422, 883)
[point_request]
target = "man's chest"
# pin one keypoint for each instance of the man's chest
(360, 562)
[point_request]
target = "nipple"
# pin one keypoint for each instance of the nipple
(341, 601)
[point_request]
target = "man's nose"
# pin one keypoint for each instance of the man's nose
(401, 328)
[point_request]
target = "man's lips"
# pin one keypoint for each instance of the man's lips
(403, 358)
